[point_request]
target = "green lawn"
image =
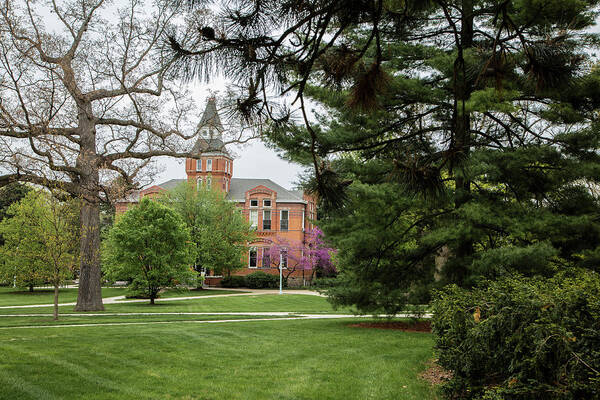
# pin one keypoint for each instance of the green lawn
(303, 359)
(12, 297)
(247, 303)
(193, 293)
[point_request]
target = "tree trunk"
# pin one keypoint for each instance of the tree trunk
(31, 288)
(89, 295)
(152, 300)
(462, 130)
(56, 302)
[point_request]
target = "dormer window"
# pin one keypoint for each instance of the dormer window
(253, 203)
(209, 164)
(266, 203)
(198, 165)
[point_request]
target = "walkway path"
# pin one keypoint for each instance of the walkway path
(122, 300)
(277, 317)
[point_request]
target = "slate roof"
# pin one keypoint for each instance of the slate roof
(211, 130)
(239, 187)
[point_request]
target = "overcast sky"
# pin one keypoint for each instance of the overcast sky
(252, 160)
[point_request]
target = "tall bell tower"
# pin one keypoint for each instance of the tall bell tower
(214, 167)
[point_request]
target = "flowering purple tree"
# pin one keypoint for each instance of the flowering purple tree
(310, 255)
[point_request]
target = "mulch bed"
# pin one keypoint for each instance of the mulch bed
(417, 326)
(434, 374)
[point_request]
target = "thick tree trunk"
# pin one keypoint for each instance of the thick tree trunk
(55, 302)
(89, 295)
(31, 288)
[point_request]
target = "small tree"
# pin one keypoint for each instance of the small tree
(293, 255)
(219, 232)
(151, 244)
(40, 241)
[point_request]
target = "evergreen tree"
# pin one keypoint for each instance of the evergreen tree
(485, 109)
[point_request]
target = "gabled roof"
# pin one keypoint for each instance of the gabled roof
(239, 187)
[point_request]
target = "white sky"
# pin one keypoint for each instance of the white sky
(252, 160)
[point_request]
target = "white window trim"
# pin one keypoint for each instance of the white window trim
(249, 251)
(208, 182)
(209, 164)
(199, 164)
(198, 183)
(262, 260)
(255, 226)
(281, 218)
(251, 200)
(270, 219)
(267, 206)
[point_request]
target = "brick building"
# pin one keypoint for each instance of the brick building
(273, 211)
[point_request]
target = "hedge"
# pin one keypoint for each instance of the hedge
(521, 338)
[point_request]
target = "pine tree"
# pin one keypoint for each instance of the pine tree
(486, 110)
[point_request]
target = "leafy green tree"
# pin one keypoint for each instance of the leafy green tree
(150, 244)
(219, 231)
(40, 242)
(10, 194)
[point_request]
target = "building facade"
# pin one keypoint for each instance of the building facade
(280, 217)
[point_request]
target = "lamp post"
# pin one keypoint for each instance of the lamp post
(280, 279)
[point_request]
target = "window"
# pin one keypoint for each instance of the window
(209, 164)
(254, 218)
(266, 203)
(266, 220)
(208, 182)
(266, 260)
(198, 183)
(226, 185)
(252, 258)
(283, 258)
(198, 165)
(284, 220)
(253, 203)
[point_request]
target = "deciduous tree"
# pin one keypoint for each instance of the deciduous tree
(40, 242)
(87, 100)
(218, 230)
(150, 244)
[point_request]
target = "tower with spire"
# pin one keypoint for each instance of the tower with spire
(213, 166)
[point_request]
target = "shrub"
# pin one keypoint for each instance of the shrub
(262, 280)
(521, 338)
(233, 281)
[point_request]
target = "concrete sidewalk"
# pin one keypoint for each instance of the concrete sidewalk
(122, 300)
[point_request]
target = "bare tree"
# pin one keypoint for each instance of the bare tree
(84, 107)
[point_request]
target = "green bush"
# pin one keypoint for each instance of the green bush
(262, 280)
(233, 281)
(521, 338)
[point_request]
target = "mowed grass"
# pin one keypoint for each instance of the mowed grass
(11, 297)
(299, 303)
(297, 359)
(171, 293)
(47, 320)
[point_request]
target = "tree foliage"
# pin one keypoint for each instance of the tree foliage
(151, 245)
(218, 230)
(521, 338)
(484, 110)
(40, 246)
